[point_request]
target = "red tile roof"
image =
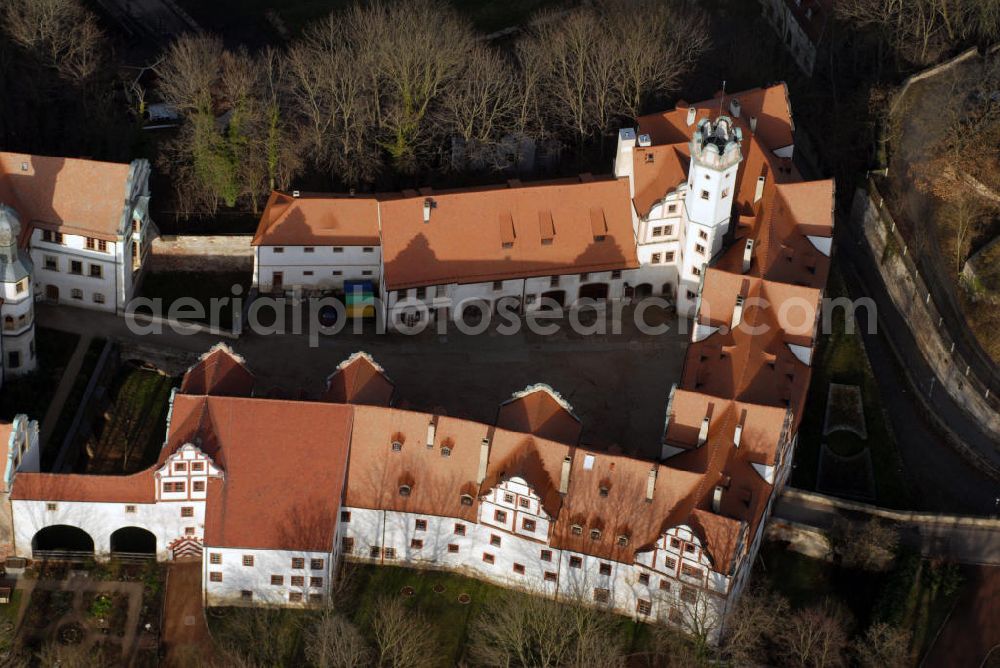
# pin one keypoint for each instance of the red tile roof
(318, 220)
(657, 171)
(491, 234)
(75, 196)
(219, 372)
(137, 488)
(359, 380)
(540, 411)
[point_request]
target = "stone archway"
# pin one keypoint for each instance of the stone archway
(61, 541)
(133, 542)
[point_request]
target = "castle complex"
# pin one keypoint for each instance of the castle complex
(705, 208)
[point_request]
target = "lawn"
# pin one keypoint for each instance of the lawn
(366, 585)
(130, 436)
(841, 358)
(204, 287)
(33, 393)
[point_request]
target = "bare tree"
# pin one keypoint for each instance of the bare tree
(869, 545)
(758, 617)
(190, 71)
(522, 630)
(883, 646)
(333, 642)
(814, 637)
(257, 636)
(403, 639)
(61, 33)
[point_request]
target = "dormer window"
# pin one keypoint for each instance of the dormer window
(577, 530)
(622, 541)
(397, 446)
(446, 451)
(466, 500)
(603, 490)
(595, 534)
(404, 490)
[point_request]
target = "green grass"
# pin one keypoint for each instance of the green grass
(131, 437)
(170, 286)
(33, 393)
(840, 358)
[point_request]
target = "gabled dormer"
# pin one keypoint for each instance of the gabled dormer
(184, 475)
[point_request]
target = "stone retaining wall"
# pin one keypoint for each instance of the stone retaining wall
(202, 253)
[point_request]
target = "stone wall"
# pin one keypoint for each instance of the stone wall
(911, 297)
(202, 253)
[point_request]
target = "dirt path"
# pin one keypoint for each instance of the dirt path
(185, 632)
(972, 629)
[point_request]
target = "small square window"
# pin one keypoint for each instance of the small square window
(347, 545)
(345, 516)
(554, 282)
(51, 506)
(605, 569)
(197, 466)
(459, 529)
(246, 594)
(215, 576)
(198, 486)
(494, 540)
(601, 595)
(421, 525)
(499, 516)
(644, 578)
(575, 562)
(308, 249)
(703, 235)
(546, 555)
(452, 548)
(616, 274)
(248, 560)
(374, 552)
(187, 511)
(130, 509)
(277, 580)
(416, 544)
(188, 531)
(550, 576)
(294, 597)
(497, 286)
(316, 564)
(644, 607)
(389, 553)
(298, 581)
(508, 498)
(298, 562)
(215, 558)
(519, 569)
(704, 194)
(488, 558)
(315, 582)
(338, 249)
(665, 585)
(527, 524)
(655, 258)
(524, 502)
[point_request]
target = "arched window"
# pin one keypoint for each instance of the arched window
(466, 499)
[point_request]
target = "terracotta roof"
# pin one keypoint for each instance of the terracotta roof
(540, 411)
(219, 372)
(284, 478)
(75, 196)
(436, 482)
(359, 380)
(720, 537)
(658, 170)
(137, 488)
(535, 460)
(490, 234)
(318, 220)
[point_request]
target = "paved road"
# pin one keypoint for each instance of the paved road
(955, 539)
(185, 636)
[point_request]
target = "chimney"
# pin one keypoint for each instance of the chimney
(428, 205)
(692, 112)
(760, 188)
(564, 476)
(734, 107)
(753, 124)
(703, 432)
(650, 484)
(717, 499)
(484, 458)
(747, 255)
(738, 435)
(431, 431)
(645, 141)
(738, 312)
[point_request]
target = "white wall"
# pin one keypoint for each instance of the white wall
(73, 249)
(294, 262)
(237, 577)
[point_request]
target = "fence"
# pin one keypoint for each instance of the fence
(980, 375)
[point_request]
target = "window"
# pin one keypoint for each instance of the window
(688, 594)
(169, 487)
(374, 552)
(704, 194)
(404, 490)
(671, 208)
(51, 506)
(691, 571)
(665, 585)
(298, 581)
(585, 276)
(523, 502)
(616, 274)
(668, 256)
(696, 271)
(494, 540)
(96, 271)
(577, 530)
(488, 558)
(397, 446)
(76, 293)
(98, 298)
(603, 491)
(368, 249)
(644, 578)
(658, 231)
(347, 545)
(294, 597)
(527, 525)
(519, 569)
(644, 607)
(91, 243)
(130, 509)
(51, 263)
(655, 259)
(14, 359)
(725, 192)
(500, 516)
(670, 563)
(420, 525)
(459, 529)
(338, 249)
(497, 286)
(315, 598)
(595, 534)
(675, 543)
(546, 555)
(508, 498)
(605, 569)
(187, 511)
(700, 249)
(703, 235)
(668, 231)
(575, 562)
(416, 544)
(452, 548)
(421, 293)
(554, 282)
(316, 564)
(215, 576)
(308, 249)
(248, 560)
(52, 237)
(389, 553)
(691, 295)
(198, 486)
(315, 582)
(279, 249)
(622, 541)
(215, 558)
(277, 580)
(689, 548)
(298, 562)
(601, 595)
(336, 272)
(307, 273)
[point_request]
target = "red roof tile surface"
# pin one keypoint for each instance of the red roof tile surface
(537, 411)
(219, 372)
(318, 220)
(358, 380)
